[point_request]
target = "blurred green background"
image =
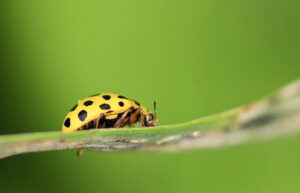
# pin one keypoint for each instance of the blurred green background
(195, 58)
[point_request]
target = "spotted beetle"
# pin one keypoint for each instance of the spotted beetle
(107, 110)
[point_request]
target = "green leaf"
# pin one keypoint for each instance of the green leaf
(273, 116)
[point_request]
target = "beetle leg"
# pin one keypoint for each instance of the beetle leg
(80, 151)
(123, 119)
(141, 117)
(98, 121)
(134, 116)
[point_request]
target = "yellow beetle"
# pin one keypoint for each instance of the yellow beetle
(107, 110)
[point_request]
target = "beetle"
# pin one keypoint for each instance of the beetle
(107, 110)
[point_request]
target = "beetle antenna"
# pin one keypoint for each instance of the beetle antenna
(154, 108)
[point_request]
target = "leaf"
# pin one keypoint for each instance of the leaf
(276, 115)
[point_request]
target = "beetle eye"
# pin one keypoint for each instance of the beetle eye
(151, 116)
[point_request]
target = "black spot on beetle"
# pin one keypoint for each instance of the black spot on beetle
(137, 103)
(109, 111)
(82, 115)
(106, 97)
(121, 104)
(95, 95)
(67, 122)
(88, 103)
(121, 97)
(73, 108)
(104, 106)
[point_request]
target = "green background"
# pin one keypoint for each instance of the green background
(195, 58)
